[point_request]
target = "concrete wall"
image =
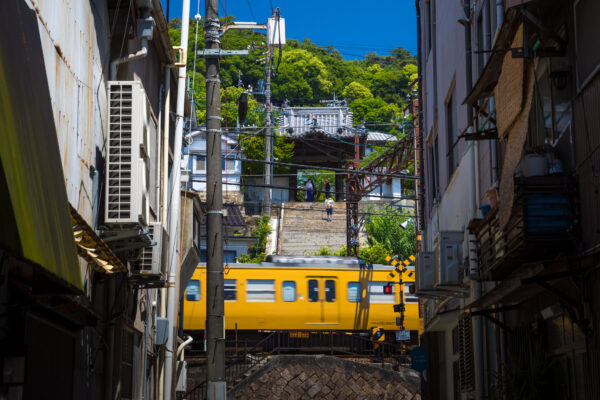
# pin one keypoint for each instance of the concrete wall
(323, 377)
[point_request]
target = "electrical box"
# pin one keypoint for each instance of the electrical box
(448, 258)
(162, 331)
(181, 376)
(276, 32)
(152, 264)
(128, 160)
(425, 278)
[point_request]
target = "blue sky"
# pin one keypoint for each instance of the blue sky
(345, 24)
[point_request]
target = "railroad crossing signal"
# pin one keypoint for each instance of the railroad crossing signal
(400, 266)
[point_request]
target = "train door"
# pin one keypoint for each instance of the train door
(324, 308)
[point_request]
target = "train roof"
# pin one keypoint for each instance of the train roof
(315, 262)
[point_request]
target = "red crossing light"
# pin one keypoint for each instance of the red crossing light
(388, 289)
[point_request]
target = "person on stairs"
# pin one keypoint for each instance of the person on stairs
(310, 195)
(329, 205)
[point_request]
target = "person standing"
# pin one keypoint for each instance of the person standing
(310, 196)
(329, 205)
(327, 188)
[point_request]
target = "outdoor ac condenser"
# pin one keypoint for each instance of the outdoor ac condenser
(128, 161)
(152, 263)
(448, 255)
(425, 275)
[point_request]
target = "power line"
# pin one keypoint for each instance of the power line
(381, 196)
(306, 166)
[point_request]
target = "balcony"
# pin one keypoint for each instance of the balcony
(542, 225)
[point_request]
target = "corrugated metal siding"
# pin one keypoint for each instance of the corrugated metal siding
(587, 155)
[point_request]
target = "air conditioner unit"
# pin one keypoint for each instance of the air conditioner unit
(151, 266)
(425, 273)
(448, 258)
(128, 160)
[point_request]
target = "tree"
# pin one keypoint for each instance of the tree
(387, 231)
(356, 91)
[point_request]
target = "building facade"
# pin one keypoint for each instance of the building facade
(507, 269)
(84, 189)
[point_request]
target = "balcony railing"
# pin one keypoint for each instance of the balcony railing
(542, 225)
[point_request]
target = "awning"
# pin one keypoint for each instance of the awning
(92, 248)
(34, 211)
(533, 279)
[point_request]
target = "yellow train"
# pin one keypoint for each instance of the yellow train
(314, 293)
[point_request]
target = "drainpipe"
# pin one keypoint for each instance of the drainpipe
(145, 27)
(128, 58)
(174, 255)
(476, 287)
(421, 222)
(163, 215)
(183, 346)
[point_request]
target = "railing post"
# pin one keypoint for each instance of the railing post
(278, 342)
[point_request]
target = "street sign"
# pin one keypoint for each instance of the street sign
(402, 336)
(418, 359)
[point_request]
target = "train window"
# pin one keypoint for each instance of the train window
(377, 294)
(260, 290)
(313, 290)
(408, 296)
(230, 289)
(288, 291)
(192, 292)
(330, 290)
(354, 292)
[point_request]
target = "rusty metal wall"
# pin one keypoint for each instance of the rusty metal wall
(586, 123)
(74, 41)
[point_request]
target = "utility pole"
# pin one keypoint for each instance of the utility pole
(173, 276)
(215, 305)
(268, 134)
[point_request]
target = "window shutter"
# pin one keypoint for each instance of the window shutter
(465, 349)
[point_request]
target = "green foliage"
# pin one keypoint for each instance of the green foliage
(372, 254)
(256, 253)
(386, 230)
(356, 91)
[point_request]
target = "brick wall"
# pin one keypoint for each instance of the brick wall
(323, 377)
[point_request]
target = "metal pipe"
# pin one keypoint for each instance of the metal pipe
(421, 222)
(174, 257)
(141, 53)
(184, 345)
(269, 132)
(215, 302)
(163, 214)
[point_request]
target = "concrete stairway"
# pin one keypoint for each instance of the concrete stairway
(305, 229)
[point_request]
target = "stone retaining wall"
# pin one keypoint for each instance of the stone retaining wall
(324, 377)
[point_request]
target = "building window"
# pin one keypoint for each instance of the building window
(260, 290)
(354, 292)
(330, 290)
(551, 112)
(192, 292)
(228, 164)
(288, 291)
(200, 163)
(313, 290)
(230, 289)
(480, 44)
(428, 24)
(377, 294)
(229, 256)
(452, 129)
